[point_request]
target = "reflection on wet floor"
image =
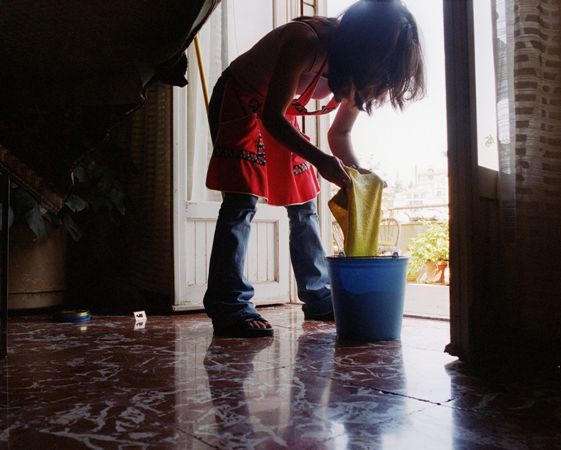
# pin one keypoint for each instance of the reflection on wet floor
(172, 385)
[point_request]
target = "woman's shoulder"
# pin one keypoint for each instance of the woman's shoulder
(313, 26)
(308, 35)
(306, 32)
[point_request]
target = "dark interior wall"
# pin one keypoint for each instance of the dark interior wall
(126, 264)
(150, 224)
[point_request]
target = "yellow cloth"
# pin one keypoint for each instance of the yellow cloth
(357, 209)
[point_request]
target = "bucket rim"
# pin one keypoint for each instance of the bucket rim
(367, 258)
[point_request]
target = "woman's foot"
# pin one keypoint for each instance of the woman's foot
(248, 327)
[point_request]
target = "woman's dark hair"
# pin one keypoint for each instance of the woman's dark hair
(375, 50)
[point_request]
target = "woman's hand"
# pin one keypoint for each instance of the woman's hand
(364, 171)
(333, 170)
(361, 170)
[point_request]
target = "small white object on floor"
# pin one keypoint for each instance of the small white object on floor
(140, 319)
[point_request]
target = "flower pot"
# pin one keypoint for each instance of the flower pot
(433, 272)
(447, 275)
(37, 269)
(427, 272)
(440, 273)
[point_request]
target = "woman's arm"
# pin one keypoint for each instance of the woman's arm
(339, 135)
(297, 53)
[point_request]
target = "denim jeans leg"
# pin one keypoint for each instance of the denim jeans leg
(229, 293)
(308, 259)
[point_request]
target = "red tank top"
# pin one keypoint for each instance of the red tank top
(247, 159)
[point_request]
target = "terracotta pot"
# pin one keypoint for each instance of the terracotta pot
(427, 273)
(440, 274)
(433, 272)
(37, 269)
(447, 275)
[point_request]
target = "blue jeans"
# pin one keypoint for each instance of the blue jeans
(229, 293)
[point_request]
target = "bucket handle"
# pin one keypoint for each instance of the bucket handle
(395, 254)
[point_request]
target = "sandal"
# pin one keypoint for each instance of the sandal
(241, 328)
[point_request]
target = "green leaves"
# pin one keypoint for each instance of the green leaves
(36, 223)
(75, 203)
(71, 226)
(98, 201)
(430, 245)
(27, 210)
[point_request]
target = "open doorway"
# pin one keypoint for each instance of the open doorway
(409, 150)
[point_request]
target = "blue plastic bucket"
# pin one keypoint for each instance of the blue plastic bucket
(368, 294)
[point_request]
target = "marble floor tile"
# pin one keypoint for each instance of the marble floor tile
(105, 385)
(443, 427)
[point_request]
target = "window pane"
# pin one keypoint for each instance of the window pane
(485, 86)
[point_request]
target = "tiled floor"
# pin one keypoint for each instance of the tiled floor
(105, 385)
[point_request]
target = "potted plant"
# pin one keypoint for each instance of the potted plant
(430, 254)
(39, 239)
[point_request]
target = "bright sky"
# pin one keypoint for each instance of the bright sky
(394, 142)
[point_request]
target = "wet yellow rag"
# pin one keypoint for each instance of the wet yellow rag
(357, 209)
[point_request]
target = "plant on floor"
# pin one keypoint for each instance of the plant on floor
(429, 246)
(98, 199)
(27, 210)
(44, 264)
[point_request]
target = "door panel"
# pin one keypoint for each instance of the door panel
(267, 265)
